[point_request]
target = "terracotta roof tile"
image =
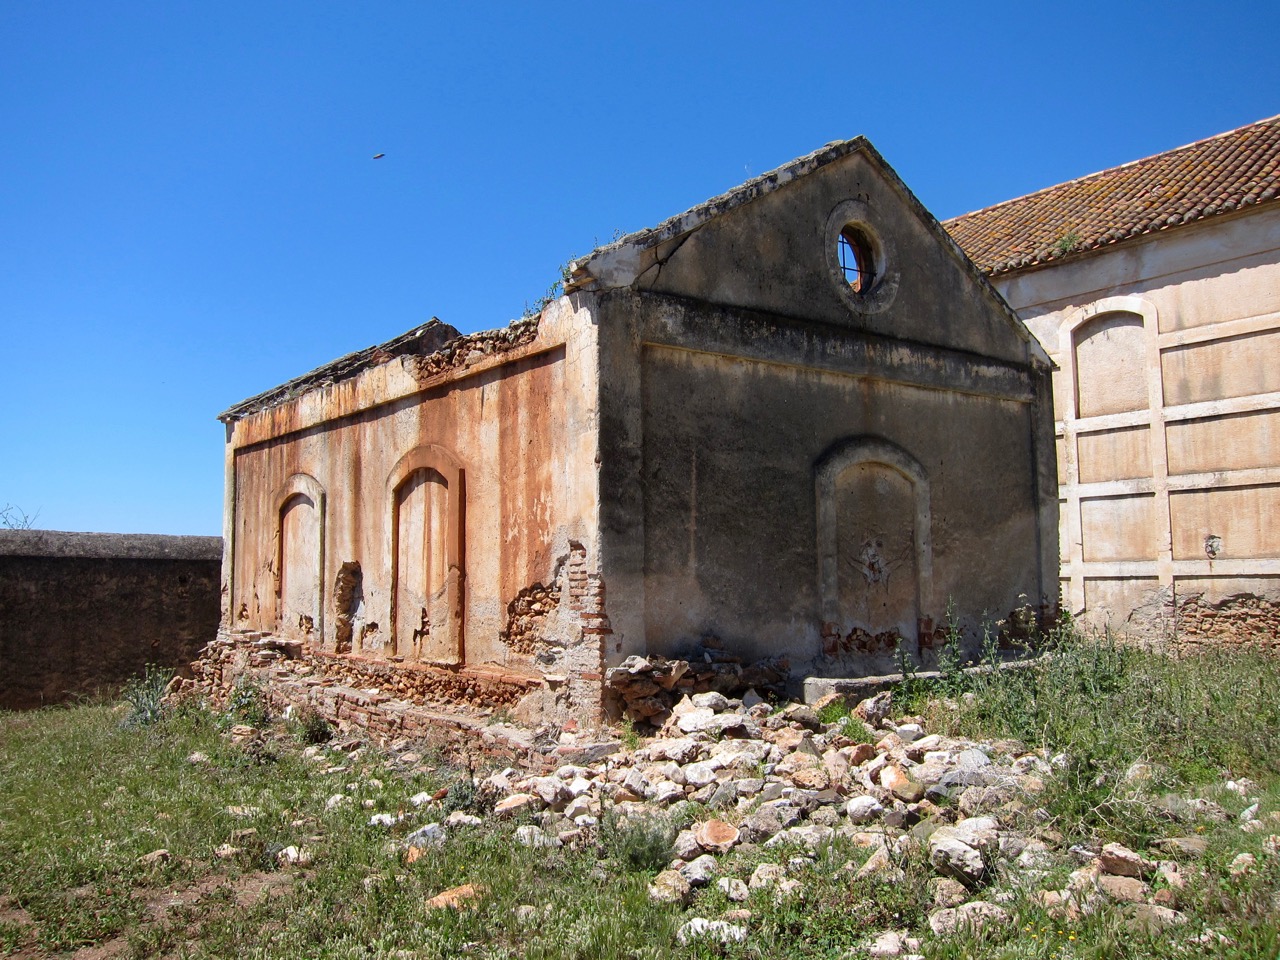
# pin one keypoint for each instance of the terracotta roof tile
(1214, 176)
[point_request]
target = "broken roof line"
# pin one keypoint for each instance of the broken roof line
(415, 341)
(611, 262)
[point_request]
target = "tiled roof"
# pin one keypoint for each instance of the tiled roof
(1204, 179)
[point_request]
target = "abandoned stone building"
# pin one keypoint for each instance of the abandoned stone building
(794, 424)
(1155, 288)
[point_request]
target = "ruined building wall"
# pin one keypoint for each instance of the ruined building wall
(425, 512)
(1167, 401)
(84, 612)
(819, 511)
(810, 473)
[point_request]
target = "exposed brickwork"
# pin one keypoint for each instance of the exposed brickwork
(465, 350)
(1244, 618)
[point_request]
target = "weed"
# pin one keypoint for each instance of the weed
(835, 712)
(145, 696)
(247, 703)
(1069, 242)
(637, 842)
(464, 795)
(15, 518)
(309, 726)
(628, 734)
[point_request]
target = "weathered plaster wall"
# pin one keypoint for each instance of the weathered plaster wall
(418, 513)
(713, 505)
(1168, 424)
(775, 256)
(809, 474)
(83, 612)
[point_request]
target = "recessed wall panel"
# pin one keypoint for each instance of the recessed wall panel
(1234, 367)
(1115, 454)
(1241, 442)
(1228, 523)
(1118, 528)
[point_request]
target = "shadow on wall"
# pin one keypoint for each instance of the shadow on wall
(83, 612)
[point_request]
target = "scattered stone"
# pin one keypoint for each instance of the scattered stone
(948, 892)
(891, 943)
(860, 753)
(669, 886)
(880, 864)
(457, 898)
(432, 835)
(974, 916)
(956, 851)
(1124, 888)
(1242, 864)
(1193, 848)
(717, 836)
(292, 856)
(531, 836)
(701, 870)
(460, 819)
(510, 806)
(897, 782)
(718, 930)
(713, 701)
(1152, 918)
(733, 889)
(1120, 861)
(875, 709)
(765, 875)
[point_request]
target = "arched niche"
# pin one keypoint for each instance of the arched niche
(425, 533)
(299, 559)
(1103, 352)
(875, 558)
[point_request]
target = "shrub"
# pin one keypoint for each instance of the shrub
(145, 696)
(308, 726)
(247, 703)
(637, 842)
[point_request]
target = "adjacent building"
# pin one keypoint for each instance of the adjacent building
(1155, 288)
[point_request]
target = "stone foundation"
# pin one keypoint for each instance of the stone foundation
(380, 700)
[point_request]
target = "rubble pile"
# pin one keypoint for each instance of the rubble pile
(745, 777)
(646, 689)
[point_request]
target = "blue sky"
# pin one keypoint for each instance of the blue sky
(190, 212)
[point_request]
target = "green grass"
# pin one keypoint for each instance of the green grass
(84, 795)
(1100, 706)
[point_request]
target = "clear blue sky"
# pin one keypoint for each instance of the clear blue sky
(190, 211)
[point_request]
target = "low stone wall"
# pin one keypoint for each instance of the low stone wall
(84, 612)
(459, 709)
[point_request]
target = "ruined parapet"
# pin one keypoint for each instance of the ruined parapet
(84, 612)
